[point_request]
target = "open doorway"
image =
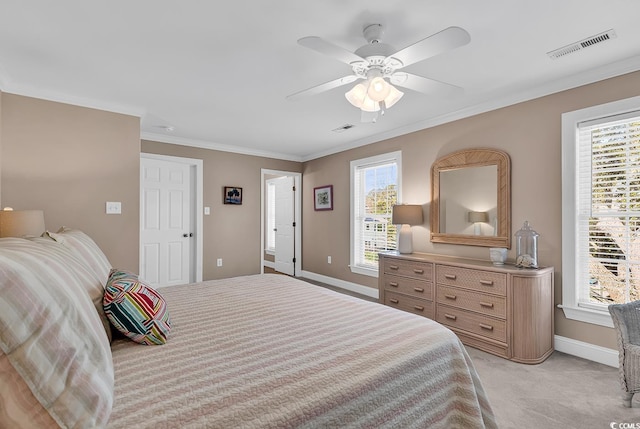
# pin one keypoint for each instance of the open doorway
(281, 229)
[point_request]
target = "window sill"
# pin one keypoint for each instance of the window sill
(371, 272)
(594, 317)
(270, 252)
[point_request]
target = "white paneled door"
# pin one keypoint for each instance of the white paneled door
(166, 224)
(285, 229)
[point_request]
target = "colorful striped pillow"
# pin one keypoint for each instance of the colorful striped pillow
(136, 309)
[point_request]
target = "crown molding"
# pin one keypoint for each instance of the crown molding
(202, 144)
(608, 71)
(29, 91)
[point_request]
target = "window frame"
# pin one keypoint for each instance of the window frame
(570, 140)
(355, 165)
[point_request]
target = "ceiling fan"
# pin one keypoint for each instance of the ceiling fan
(376, 62)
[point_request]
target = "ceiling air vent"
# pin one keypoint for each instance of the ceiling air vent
(343, 128)
(585, 43)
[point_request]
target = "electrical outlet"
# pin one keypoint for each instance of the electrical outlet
(114, 207)
(328, 259)
(219, 262)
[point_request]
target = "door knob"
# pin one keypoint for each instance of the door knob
(188, 235)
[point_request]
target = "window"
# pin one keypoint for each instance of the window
(271, 216)
(600, 209)
(375, 189)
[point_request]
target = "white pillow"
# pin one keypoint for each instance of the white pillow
(52, 335)
(85, 249)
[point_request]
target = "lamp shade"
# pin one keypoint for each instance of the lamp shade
(393, 97)
(20, 223)
(408, 214)
(478, 217)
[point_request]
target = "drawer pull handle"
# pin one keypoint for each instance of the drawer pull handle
(418, 307)
(418, 271)
(450, 296)
(450, 316)
(450, 276)
(486, 282)
(393, 301)
(487, 327)
(486, 304)
(393, 284)
(418, 289)
(393, 267)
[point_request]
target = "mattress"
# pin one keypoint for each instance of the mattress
(270, 351)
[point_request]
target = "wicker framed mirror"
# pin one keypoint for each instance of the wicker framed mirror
(471, 198)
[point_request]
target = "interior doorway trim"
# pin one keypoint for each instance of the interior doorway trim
(197, 165)
(297, 216)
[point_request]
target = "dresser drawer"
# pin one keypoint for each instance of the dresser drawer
(472, 322)
(406, 303)
(413, 269)
(491, 305)
(409, 286)
(484, 281)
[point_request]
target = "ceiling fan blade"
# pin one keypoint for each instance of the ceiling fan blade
(322, 87)
(445, 40)
(423, 84)
(328, 48)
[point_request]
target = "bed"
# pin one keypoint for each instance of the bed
(260, 351)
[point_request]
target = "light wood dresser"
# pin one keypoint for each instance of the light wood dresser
(503, 310)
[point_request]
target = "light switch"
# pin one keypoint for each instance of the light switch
(114, 207)
(207, 211)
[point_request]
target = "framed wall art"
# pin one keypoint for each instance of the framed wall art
(232, 195)
(323, 198)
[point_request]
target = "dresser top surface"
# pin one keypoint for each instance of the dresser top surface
(508, 267)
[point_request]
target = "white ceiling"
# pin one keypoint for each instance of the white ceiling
(219, 72)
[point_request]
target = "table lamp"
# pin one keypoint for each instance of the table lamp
(406, 215)
(20, 223)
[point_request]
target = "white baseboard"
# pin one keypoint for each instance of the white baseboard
(269, 264)
(586, 351)
(342, 284)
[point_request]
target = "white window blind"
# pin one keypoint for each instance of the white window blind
(608, 211)
(375, 189)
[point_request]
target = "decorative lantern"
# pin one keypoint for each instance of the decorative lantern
(527, 247)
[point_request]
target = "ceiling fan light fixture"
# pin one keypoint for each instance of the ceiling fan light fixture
(370, 105)
(379, 89)
(394, 96)
(357, 95)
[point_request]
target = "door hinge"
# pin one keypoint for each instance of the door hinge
(294, 260)
(294, 224)
(294, 188)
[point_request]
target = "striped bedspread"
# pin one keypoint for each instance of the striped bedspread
(269, 351)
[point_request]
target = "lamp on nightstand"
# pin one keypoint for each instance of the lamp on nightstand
(20, 223)
(406, 215)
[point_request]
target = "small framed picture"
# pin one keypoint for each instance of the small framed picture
(323, 198)
(232, 195)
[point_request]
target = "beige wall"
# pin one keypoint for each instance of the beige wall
(69, 161)
(529, 132)
(231, 232)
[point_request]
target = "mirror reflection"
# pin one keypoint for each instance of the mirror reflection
(469, 201)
